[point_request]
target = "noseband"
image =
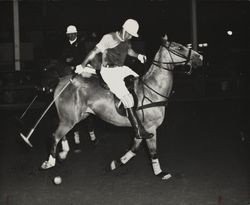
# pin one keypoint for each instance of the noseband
(171, 51)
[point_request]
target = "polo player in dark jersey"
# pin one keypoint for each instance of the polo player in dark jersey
(115, 47)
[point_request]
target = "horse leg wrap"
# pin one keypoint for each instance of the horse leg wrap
(52, 160)
(65, 145)
(77, 137)
(77, 148)
(50, 163)
(156, 166)
(125, 158)
(114, 164)
(65, 149)
(92, 135)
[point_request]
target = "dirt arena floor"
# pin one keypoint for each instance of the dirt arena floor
(205, 145)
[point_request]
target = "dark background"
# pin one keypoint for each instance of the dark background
(43, 25)
(203, 141)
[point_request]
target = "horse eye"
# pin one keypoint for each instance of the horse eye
(179, 48)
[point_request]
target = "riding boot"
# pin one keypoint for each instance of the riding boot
(140, 131)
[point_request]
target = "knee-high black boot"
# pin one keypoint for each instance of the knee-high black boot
(140, 131)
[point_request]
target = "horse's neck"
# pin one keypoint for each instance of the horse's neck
(159, 79)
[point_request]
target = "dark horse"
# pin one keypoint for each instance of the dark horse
(84, 95)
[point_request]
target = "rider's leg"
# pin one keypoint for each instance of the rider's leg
(115, 80)
(139, 129)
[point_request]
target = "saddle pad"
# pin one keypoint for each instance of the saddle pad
(89, 69)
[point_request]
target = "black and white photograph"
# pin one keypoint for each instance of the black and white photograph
(125, 102)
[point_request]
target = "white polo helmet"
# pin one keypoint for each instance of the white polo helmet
(71, 29)
(131, 26)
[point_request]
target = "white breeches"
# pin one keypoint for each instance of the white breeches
(114, 77)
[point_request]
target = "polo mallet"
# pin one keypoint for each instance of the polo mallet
(24, 113)
(26, 139)
(19, 119)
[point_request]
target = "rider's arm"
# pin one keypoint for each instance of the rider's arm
(141, 58)
(132, 53)
(105, 43)
(99, 48)
(90, 56)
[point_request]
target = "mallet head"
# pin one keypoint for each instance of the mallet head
(26, 139)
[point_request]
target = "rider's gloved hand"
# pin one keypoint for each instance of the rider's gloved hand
(79, 69)
(142, 58)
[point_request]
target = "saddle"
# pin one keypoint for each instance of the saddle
(129, 82)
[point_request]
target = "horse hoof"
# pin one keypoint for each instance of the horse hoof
(77, 148)
(114, 165)
(164, 175)
(63, 155)
(95, 142)
(47, 165)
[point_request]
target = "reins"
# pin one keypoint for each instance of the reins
(186, 61)
(160, 64)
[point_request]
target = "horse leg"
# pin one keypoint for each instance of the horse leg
(77, 142)
(65, 148)
(127, 156)
(65, 145)
(152, 147)
(62, 129)
(76, 133)
(90, 125)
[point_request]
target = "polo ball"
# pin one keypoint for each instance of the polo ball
(57, 180)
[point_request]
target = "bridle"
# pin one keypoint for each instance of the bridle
(164, 65)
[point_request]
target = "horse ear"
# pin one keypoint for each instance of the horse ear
(165, 37)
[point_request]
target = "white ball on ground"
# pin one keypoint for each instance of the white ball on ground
(57, 180)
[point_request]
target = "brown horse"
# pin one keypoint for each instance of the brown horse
(85, 95)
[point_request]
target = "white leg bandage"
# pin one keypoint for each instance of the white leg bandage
(156, 166)
(52, 160)
(50, 163)
(125, 158)
(63, 154)
(65, 145)
(92, 135)
(77, 137)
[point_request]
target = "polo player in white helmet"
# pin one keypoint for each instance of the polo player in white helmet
(72, 55)
(115, 47)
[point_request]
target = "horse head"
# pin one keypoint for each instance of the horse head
(178, 55)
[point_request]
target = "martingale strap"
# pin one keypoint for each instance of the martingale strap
(153, 104)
